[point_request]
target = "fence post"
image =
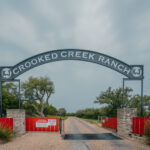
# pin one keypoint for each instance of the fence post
(60, 126)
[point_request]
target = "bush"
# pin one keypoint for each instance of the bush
(5, 134)
(89, 113)
(147, 131)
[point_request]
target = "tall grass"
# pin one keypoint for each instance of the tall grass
(147, 131)
(5, 134)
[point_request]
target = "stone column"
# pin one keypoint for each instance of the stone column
(124, 120)
(18, 116)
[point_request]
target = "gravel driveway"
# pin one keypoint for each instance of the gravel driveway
(37, 141)
(85, 136)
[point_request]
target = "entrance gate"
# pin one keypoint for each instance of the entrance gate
(42, 124)
(131, 72)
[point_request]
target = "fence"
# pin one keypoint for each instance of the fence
(138, 124)
(6, 123)
(42, 124)
(110, 122)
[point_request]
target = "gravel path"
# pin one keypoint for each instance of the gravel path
(37, 141)
(76, 142)
(91, 137)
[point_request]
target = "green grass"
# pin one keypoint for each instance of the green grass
(5, 134)
(92, 121)
(55, 116)
(147, 131)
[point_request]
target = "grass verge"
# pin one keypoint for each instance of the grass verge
(5, 134)
(92, 121)
(55, 116)
(147, 131)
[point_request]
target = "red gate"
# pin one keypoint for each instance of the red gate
(42, 124)
(139, 124)
(109, 122)
(6, 123)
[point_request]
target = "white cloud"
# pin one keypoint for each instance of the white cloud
(16, 29)
(113, 28)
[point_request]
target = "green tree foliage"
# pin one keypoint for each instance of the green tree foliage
(147, 131)
(37, 92)
(9, 96)
(135, 102)
(30, 111)
(62, 111)
(50, 110)
(89, 113)
(111, 100)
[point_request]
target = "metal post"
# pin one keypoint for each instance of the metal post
(1, 111)
(123, 94)
(19, 93)
(60, 125)
(142, 98)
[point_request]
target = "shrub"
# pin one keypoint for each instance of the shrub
(5, 134)
(147, 131)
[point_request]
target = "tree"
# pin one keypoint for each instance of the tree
(135, 102)
(38, 90)
(62, 111)
(50, 110)
(89, 113)
(10, 96)
(112, 99)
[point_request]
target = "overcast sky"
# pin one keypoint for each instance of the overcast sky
(117, 28)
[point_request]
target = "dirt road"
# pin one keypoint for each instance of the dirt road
(79, 135)
(86, 136)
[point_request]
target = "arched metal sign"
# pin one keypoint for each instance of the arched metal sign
(130, 71)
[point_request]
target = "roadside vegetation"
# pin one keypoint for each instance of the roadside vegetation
(110, 100)
(35, 98)
(92, 121)
(36, 94)
(5, 134)
(147, 131)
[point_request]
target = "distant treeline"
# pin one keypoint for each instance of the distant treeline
(36, 93)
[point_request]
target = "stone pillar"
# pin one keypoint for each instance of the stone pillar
(18, 116)
(124, 120)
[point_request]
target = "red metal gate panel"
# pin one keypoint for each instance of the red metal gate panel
(6, 123)
(42, 124)
(109, 122)
(138, 124)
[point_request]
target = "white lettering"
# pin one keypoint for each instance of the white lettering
(91, 56)
(107, 61)
(85, 55)
(70, 54)
(126, 70)
(21, 68)
(40, 59)
(114, 64)
(78, 54)
(63, 54)
(47, 57)
(101, 58)
(120, 67)
(27, 64)
(54, 56)
(15, 71)
(34, 61)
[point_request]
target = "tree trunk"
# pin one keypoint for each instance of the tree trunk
(38, 112)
